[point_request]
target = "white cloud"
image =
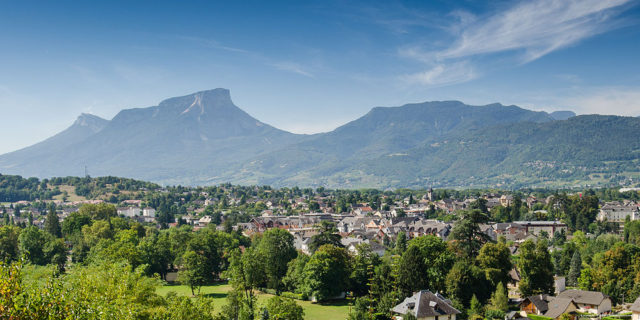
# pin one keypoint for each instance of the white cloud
(443, 74)
(531, 28)
(619, 101)
(537, 27)
(292, 67)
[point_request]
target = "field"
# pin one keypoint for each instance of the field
(312, 311)
(71, 194)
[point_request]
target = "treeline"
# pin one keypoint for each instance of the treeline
(16, 188)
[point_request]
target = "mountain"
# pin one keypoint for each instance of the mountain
(562, 115)
(182, 138)
(203, 138)
(85, 126)
(382, 131)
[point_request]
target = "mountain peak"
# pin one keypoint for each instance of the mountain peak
(89, 120)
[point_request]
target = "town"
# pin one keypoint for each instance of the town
(468, 254)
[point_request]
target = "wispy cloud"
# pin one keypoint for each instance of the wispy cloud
(443, 74)
(292, 67)
(624, 101)
(531, 29)
(537, 27)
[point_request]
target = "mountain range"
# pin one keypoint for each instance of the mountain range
(203, 138)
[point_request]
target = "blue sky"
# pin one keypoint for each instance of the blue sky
(310, 66)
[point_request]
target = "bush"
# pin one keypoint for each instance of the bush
(292, 295)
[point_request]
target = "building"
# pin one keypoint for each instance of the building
(129, 212)
(588, 301)
(425, 305)
(537, 227)
(618, 212)
(149, 212)
(538, 304)
(559, 306)
(635, 310)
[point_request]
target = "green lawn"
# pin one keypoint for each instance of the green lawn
(312, 311)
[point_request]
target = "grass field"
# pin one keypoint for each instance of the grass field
(71, 194)
(312, 311)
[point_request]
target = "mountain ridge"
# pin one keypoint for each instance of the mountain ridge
(204, 138)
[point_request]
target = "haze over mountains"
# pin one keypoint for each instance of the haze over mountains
(203, 138)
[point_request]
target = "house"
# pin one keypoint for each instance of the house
(537, 227)
(635, 310)
(149, 212)
(506, 200)
(618, 212)
(129, 212)
(425, 305)
(538, 304)
(588, 301)
(559, 306)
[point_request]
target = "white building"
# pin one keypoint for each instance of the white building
(617, 212)
(129, 212)
(149, 212)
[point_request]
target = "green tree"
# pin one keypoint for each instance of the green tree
(536, 268)
(294, 278)
(279, 308)
(464, 280)
(327, 272)
(52, 223)
(467, 234)
(495, 259)
(401, 243)
(74, 222)
(575, 270)
(499, 299)
(246, 273)
(364, 263)
(194, 272)
(100, 211)
(9, 243)
(31, 245)
(328, 234)
(277, 250)
(475, 309)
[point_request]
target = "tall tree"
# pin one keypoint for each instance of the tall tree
(328, 234)
(276, 249)
(495, 260)
(575, 269)
(327, 272)
(52, 223)
(467, 234)
(536, 268)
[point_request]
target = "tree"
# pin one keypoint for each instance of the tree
(276, 249)
(32, 242)
(495, 259)
(536, 268)
(424, 265)
(9, 244)
(279, 308)
(499, 299)
(328, 235)
(194, 272)
(74, 222)
(364, 263)
(475, 309)
(52, 224)
(411, 272)
(100, 211)
(401, 243)
(294, 278)
(575, 270)
(464, 280)
(327, 273)
(467, 234)
(246, 273)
